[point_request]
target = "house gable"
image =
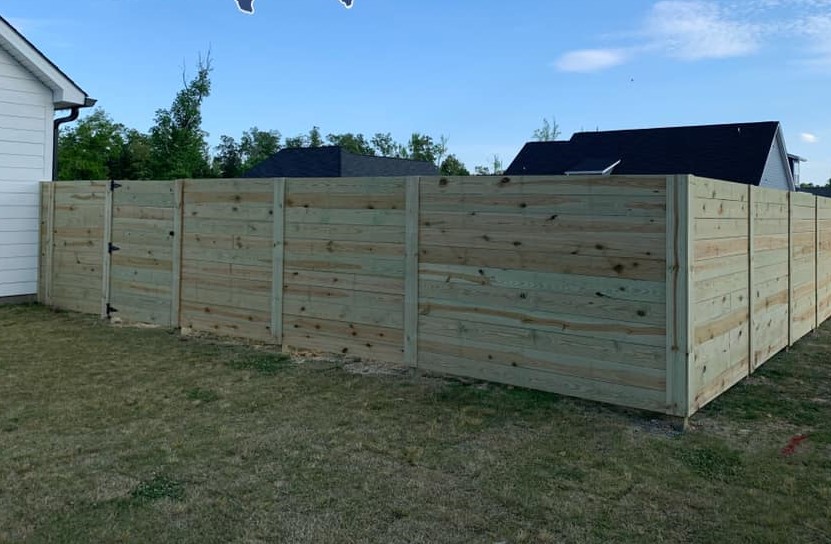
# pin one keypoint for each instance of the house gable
(777, 172)
(65, 93)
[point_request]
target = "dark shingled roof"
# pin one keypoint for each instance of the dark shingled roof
(817, 190)
(335, 162)
(733, 152)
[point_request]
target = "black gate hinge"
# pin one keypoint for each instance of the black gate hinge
(112, 248)
(114, 185)
(110, 309)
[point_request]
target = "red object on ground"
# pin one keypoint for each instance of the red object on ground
(795, 441)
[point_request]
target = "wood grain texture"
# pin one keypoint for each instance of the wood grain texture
(719, 309)
(411, 279)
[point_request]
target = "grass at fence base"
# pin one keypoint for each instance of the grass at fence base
(113, 433)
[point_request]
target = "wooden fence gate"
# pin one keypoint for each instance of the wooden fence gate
(142, 223)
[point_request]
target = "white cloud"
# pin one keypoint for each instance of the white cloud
(590, 60)
(808, 138)
(699, 30)
(695, 30)
(816, 30)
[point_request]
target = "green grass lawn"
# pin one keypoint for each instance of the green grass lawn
(138, 435)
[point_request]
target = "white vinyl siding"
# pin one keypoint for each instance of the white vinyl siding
(26, 114)
(775, 174)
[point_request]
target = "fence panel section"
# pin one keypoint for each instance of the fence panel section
(77, 252)
(555, 284)
(803, 265)
(769, 292)
(344, 266)
(720, 278)
(227, 247)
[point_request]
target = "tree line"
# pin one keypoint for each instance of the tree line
(97, 147)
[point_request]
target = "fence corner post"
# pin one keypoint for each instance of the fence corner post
(751, 263)
(677, 295)
(412, 205)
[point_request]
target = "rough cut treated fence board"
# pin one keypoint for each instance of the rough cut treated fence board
(650, 292)
(823, 259)
(227, 257)
(720, 307)
(770, 274)
(803, 267)
(77, 245)
(345, 266)
(144, 226)
(47, 229)
(516, 285)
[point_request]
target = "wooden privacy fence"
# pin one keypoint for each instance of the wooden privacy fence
(653, 292)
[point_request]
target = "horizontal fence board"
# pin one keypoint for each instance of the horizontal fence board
(583, 185)
(568, 284)
(561, 364)
(580, 265)
(556, 342)
(390, 234)
(649, 206)
(543, 223)
(342, 345)
(345, 217)
(355, 282)
(302, 306)
(489, 296)
(533, 378)
(573, 324)
(606, 244)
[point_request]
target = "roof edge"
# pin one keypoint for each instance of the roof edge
(66, 93)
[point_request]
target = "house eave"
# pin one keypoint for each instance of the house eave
(65, 92)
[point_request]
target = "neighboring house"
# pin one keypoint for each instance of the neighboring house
(31, 89)
(817, 190)
(335, 162)
(751, 153)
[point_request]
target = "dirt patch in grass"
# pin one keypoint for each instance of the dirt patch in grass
(117, 433)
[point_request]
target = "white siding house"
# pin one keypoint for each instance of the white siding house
(31, 90)
(778, 173)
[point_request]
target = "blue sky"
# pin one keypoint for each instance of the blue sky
(484, 73)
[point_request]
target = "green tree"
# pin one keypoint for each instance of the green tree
(494, 169)
(315, 139)
(386, 146)
(177, 141)
(296, 141)
(136, 159)
(90, 149)
(548, 131)
(451, 166)
(228, 158)
(354, 143)
(257, 145)
(420, 147)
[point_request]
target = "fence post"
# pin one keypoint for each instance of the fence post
(411, 223)
(48, 242)
(178, 237)
(816, 263)
(278, 259)
(790, 270)
(751, 233)
(106, 256)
